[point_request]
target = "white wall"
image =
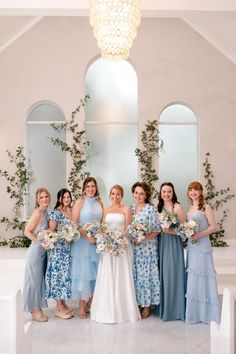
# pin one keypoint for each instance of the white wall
(173, 64)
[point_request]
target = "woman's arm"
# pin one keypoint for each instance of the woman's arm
(31, 225)
(75, 214)
(153, 225)
(212, 225)
(181, 216)
(128, 218)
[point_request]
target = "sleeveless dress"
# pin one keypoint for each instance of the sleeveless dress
(57, 279)
(114, 298)
(36, 263)
(202, 300)
(84, 256)
(145, 262)
(172, 277)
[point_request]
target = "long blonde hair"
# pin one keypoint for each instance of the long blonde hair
(38, 192)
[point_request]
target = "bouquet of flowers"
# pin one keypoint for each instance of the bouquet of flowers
(47, 238)
(167, 219)
(187, 229)
(69, 231)
(92, 228)
(138, 231)
(111, 241)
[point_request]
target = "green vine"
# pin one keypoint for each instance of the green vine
(16, 189)
(77, 150)
(152, 146)
(217, 199)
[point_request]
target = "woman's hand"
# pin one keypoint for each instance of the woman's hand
(195, 237)
(138, 242)
(166, 230)
(91, 239)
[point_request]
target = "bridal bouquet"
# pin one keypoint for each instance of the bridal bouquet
(92, 228)
(111, 241)
(47, 238)
(187, 229)
(167, 219)
(69, 231)
(138, 231)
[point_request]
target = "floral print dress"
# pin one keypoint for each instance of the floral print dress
(58, 282)
(145, 266)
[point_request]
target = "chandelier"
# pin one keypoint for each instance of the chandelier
(114, 23)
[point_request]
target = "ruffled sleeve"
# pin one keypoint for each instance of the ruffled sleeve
(152, 218)
(54, 215)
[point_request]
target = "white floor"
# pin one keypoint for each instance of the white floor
(147, 336)
(143, 337)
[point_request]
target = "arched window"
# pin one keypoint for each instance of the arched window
(111, 124)
(46, 163)
(179, 161)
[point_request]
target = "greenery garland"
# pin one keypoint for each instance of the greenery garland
(16, 188)
(77, 150)
(217, 199)
(152, 146)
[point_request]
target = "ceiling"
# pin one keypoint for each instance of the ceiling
(214, 20)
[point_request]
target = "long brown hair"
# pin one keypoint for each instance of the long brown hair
(38, 192)
(174, 200)
(198, 187)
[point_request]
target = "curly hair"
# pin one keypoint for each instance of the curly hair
(146, 189)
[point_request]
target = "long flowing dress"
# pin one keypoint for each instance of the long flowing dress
(114, 298)
(172, 277)
(57, 279)
(34, 281)
(84, 256)
(145, 261)
(202, 300)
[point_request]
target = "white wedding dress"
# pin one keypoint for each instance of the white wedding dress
(114, 298)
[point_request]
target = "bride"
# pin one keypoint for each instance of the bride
(114, 298)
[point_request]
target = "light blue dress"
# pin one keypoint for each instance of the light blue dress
(58, 282)
(84, 256)
(36, 263)
(172, 277)
(202, 300)
(145, 261)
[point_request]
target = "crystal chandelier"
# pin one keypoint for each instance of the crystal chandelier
(115, 23)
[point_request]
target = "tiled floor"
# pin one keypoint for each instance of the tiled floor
(143, 337)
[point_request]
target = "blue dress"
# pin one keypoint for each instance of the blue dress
(84, 256)
(145, 261)
(58, 282)
(36, 263)
(172, 277)
(202, 300)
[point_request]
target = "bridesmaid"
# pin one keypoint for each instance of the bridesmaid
(36, 260)
(58, 282)
(146, 273)
(202, 300)
(85, 260)
(171, 259)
